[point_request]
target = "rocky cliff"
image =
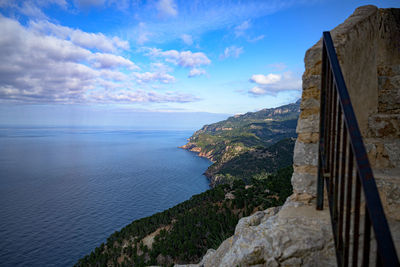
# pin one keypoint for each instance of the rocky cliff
(257, 135)
(368, 48)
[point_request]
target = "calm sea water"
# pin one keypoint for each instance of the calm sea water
(64, 191)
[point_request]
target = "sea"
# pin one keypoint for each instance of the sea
(63, 191)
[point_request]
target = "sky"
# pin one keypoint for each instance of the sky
(156, 63)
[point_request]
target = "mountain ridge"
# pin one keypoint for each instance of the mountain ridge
(247, 134)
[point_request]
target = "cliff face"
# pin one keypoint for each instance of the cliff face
(252, 135)
(368, 48)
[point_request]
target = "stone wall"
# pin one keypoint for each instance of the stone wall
(368, 49)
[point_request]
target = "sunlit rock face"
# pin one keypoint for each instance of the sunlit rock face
(368, 48)
(296, 235)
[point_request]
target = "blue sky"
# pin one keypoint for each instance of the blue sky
(99, 62)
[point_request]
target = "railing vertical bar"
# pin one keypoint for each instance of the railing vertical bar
(367, 238)
(328, 118)
(342, 182)
(378, 258)
(334, 136)
(322, 125)
(332, 145)
(348, 207)
(335, 171)
(356, 220)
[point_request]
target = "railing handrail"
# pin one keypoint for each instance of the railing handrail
(385, 245)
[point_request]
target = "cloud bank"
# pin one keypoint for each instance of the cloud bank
(274, 83)
(48, 63)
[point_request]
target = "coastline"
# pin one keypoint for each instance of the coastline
(194, 148)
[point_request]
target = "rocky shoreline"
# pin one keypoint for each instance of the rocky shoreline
(194, 148)
(208, 155)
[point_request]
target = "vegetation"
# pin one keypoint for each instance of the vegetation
(252, 156)
(186, 231)
(253, 138)
(260, 160)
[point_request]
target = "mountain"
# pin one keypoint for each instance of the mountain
(254, 135)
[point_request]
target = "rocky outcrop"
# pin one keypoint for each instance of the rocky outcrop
(194, 148)
(294, 235)
(368, 48)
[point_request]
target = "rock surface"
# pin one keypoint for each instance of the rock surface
(296, 235)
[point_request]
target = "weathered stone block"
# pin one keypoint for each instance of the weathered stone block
(393, 151)
(388, 183)
(305, 154)
(312, 92)
(304, 183)
(384, 126)
(383, 153)
(377, 155)
(306, 113)
(309, 103)
(306, 169)
(308, 137)
(312, 81)
(389, 94)
(308, 125)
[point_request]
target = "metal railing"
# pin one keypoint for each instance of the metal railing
(350, 185)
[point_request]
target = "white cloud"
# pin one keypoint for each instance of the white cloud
(266, 79)
(160, 67)
(97, 40)
(143, 38)
(40, 68)
(185, 59)
(141, 96)
(242, 28)
(84, 39)
(274, 83)
(155, 76)
(258, 90)
(111, 61)
(187, 39)
(142, 34)
(167, 8)
(231, 51)
(256, 39)
(32, 8)
(196, 72)
(159, 74)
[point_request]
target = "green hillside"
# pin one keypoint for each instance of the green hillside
(183, 234)
(260, 161)
(254, 135)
